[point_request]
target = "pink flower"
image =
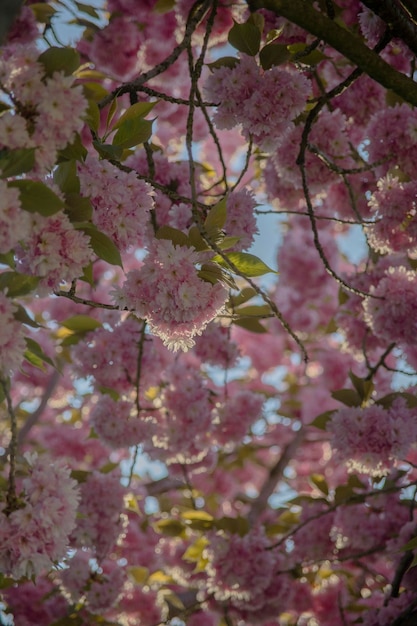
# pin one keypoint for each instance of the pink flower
(391, 311)
(54, 251)
(169, 294)
(36, 535)
(12, 343)
(121, 202)
(372, 438)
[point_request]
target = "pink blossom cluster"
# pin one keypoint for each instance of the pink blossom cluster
(116, 424)
(96, 587)
(242, 572)
(168, 293)
(38, 604)
(35, 535)
(174, 175)
(121, 202)
(330, 137)
(240, 218)
(395, 208)
(100, 521)
(390, 310)
(14, 222)
(372, 438)
(264, 103)
(392, 133)
(12, 342)
(183, 427)
(49, 110)
(390, 610)
(54, 251)
(109, 355)
(236, 416)
(215, 346)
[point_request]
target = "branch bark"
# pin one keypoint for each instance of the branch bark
(304, 15)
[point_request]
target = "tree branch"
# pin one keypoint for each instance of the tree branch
(304, 15)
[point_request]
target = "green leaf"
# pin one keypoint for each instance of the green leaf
(107, 151)
(43, 12)
(81, 476)
(216, 217)
(138, 574)
(348, 397)
(21, 315)
(258, 20)
(410, 545)
(322, 420)
(235, 525)
(251, 324)
(273, 54)
(103, 246)
(387, 400)
(74, 150)
(92, 116)
(132, 132)
(81, 323)
(35, 355)
(245, 263)
(274, 34)
(169, 527)
(17, 284)
(177, 237)
(194, 552)
(164, 6)
(363, 387)
(246, 294)
(137, 111)
(229, 62)
(343, 297)
(196, 240)
(86, 8)
(16, 162)
(260, 310)
(111, 112)
(197, 515)
(311, 58)
(228, 242)
(55, 59)
(35, 197)
(319, 481)
(94, 91)
(77, 208)
(87, 276)
(65, 176)
(213, 274)
(7, 258)
(245, 37)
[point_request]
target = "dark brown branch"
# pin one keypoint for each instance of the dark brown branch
(397, 18)
(349, 45)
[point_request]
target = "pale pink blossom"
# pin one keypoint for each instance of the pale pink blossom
(54, 251)
(371, 439)
(169, 294)
(35, 536)
(12, 342)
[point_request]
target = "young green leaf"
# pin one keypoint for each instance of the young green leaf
(245, 263)
(16, 162)
(245, 37)
(55, 59)
(132, 132)
(103, 246)
(35, 197)
(138, 110)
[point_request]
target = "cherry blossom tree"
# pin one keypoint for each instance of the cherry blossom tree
(193, 434)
